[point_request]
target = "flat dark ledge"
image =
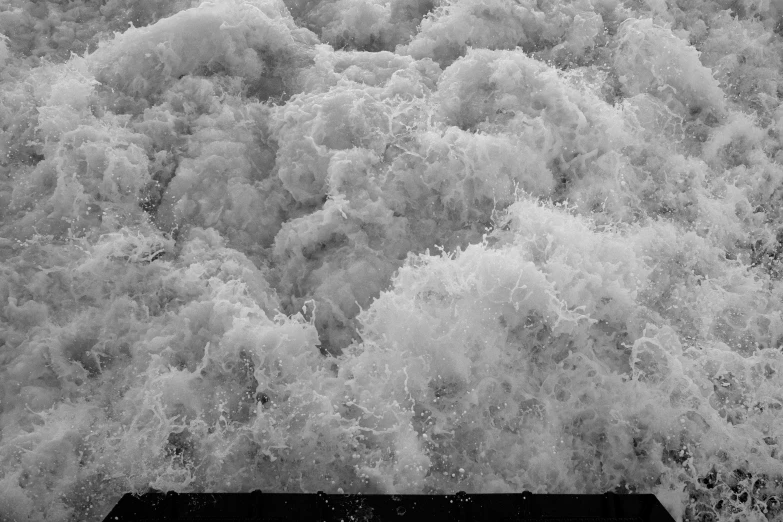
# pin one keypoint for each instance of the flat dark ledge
(292, 507)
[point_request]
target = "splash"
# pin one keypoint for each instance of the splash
(392, 247)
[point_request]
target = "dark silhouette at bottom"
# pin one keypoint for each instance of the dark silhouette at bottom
(258, 506)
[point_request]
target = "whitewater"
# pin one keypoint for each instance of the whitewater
(391, 246)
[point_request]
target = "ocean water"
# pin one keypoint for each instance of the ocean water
(391, 247)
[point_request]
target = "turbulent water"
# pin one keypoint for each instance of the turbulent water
(391, 246)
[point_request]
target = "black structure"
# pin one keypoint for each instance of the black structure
(462, 507)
